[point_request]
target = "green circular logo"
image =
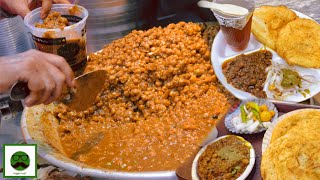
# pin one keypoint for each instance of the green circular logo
(20, 160)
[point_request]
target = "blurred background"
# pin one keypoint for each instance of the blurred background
(112, 19)
(109, 20)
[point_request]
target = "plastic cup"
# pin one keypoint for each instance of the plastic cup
(69, 42)
(236, 29)
(14, 36)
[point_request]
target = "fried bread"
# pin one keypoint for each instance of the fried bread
(299, 43)
(267, 22)
(292, 157)
(305, 122)
(293, 152)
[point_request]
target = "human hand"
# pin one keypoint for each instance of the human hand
(47, 75)
(21, 7)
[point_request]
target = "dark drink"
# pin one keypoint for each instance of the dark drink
(236, 29)
(237, 39)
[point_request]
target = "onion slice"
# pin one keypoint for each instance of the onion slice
(275, 77)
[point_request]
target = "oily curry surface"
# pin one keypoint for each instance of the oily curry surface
(160, 101)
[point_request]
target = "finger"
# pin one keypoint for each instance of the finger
(33, 98)
(62, 64)
(62, 1)
(50, 86)
(60, 81)
(53, 98)
(49, 100)
(41, 82)
(46, 6)
(35, 84)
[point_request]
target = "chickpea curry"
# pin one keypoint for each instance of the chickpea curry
(53, 20)
(160, 101)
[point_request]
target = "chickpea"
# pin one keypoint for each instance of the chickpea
(100, 104)
(91, 110)
(81, 115)
(86, 112)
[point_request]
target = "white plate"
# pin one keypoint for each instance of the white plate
(243, 176)
(267, 136)
(221, 52)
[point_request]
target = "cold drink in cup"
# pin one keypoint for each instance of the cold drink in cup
(236, 29)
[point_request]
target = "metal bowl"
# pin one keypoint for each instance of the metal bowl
(50, 149)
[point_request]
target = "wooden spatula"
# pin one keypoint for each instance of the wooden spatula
(88, 86)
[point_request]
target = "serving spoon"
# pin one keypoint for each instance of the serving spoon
(88, 86)
(228, 9)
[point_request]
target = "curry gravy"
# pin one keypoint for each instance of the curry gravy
(159, 102)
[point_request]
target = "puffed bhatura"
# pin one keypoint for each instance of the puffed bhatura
(267, 22)
(293, 151)
(292, 157)
(301, 123)
(299, 43)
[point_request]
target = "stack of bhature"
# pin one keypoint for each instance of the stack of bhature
(296, 40)
(294, 149)
(267, 22)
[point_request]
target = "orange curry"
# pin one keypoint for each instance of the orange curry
(53, 20)
(159, 102)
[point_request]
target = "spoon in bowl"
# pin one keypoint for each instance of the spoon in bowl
(228, 9)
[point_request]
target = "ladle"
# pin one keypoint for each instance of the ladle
(88, 86)
(228, 9)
